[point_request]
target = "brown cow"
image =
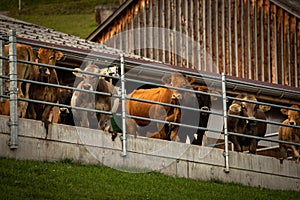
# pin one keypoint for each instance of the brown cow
(159, 112)
(42, 92)
(89, 100)
(24, 71)
(290, 134)
(5, 107)
(246, 126)
(65, 113)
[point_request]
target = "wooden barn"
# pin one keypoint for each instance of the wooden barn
(251, 39)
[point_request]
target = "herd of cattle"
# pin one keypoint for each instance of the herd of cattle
(183, 92)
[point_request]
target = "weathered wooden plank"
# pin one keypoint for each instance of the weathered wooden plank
(216, 14)
(204, 67)
(242, 39)
(236, 57)
(249, 71)
(223, 38)
(230, 72)
(254, 38)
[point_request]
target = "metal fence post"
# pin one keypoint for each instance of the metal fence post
(123, 96)
(2, 71)
(226, 153)
(13, 90)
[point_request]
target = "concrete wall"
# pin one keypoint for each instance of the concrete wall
(144, 154)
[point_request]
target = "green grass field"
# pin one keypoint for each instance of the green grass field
(75, 17)
(82, 24)
(66, 180)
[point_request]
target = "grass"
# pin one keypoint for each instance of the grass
(75, 17)
(67, 180)
(82, 24)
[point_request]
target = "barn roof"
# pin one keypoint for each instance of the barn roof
(42, 35)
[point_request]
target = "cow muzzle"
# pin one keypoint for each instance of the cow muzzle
(176, 96)
(251, 121)
(87, 86)
(64, 110)
(44, 71)
(204, 108)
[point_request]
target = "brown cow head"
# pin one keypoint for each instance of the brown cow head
(89, 81)
(178, 80)
(246, 109)
(293, 115)
(47, 56)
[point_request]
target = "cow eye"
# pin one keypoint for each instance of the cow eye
(256, 107)
(51, 58)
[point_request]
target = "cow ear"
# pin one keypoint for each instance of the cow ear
(36, 54)
(264, 108)
(202, 88)
(166, 80)
(191, 80)
(214, 98)
(58, 55)
(236, 108)
(284, 111)
(77, 73)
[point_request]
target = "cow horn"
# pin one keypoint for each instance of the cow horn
(78, 74)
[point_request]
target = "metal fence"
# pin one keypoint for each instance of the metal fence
(137, 73)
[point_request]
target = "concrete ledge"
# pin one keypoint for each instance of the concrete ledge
(145, 154)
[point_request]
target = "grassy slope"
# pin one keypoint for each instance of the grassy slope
(74, 17)
(82, 24)
(40, 180)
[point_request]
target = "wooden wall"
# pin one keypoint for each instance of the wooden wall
(252, 39)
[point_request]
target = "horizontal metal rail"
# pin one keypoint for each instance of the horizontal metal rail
(172, 105)
(271, 134)
(65, 106)
(86, 53)
(262, 103)
(264, 139)
(171, 87)
(269, 87)
(173, 123)
(66, 69)
(262, 120)
(267, 148)
(161, 67)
